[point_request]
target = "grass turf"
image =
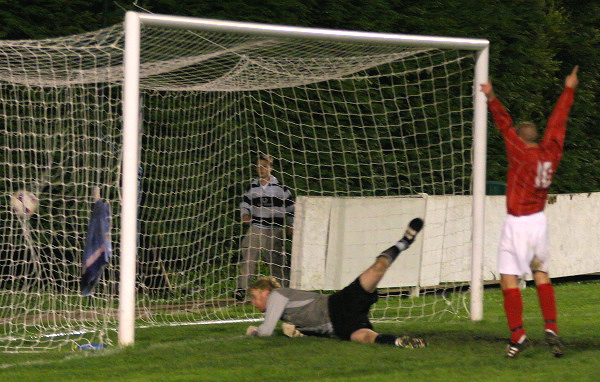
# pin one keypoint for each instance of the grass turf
(459, 350)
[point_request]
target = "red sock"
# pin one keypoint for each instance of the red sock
(548, 305)
(513, 307)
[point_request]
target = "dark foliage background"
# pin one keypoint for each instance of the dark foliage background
(534, 45)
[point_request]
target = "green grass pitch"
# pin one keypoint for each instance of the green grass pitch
(459, 350)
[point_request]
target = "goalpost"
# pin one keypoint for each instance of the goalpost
(314, 57)
(165, 115)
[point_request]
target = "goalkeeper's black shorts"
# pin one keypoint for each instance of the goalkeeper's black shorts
(349, 310)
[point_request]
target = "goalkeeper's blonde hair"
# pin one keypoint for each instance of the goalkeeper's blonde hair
(265, 283)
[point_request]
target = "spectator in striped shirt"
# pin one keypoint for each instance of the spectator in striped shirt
(268, 207)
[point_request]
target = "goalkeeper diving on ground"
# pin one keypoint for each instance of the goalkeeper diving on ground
(343, 314)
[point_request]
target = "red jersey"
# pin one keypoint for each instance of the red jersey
(530, 169)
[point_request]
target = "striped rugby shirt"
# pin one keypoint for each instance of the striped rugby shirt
(268, 205)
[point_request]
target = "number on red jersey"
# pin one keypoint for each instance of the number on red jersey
(543, 179)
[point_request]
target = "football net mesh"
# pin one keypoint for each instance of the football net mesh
(344, 121)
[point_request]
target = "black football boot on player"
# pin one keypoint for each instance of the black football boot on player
(411, 232)
(410, 342)
(556, 345)
(414, 227)
(514, 348)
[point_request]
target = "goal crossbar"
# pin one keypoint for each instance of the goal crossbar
(309, 33)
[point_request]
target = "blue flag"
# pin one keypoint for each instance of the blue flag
(98, 249)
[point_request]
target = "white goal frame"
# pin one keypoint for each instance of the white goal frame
(131, 144)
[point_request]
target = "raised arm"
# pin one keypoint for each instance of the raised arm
(557, 123)
(572, 81)
(488, 90)
(502, 119)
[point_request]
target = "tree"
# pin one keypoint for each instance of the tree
(534, 44)
(36, 19)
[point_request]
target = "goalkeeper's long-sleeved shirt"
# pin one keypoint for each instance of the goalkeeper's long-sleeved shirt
(308, 311)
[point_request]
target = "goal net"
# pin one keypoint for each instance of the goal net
(366, 133)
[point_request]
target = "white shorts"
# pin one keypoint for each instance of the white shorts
(523, 245)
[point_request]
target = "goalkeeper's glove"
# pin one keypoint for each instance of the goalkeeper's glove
(290, 330)
(252, 331)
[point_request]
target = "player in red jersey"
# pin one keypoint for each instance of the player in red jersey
(523, 245)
